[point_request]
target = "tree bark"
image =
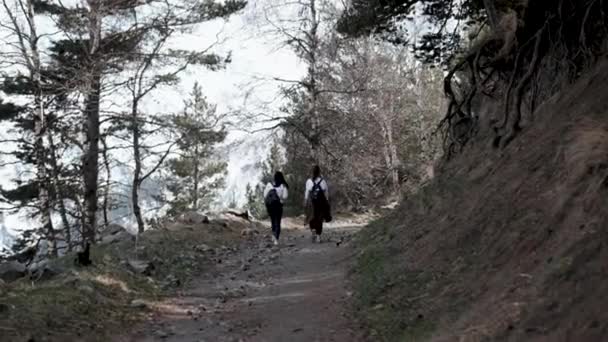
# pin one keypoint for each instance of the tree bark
(492, 12)
(59, 193)
(91, 158)
(196, 179)
(106, 191)
(40, 129)
(91, 124)
(82, 218)
(391, 154)
(313, 42)
(395, 162)
(137, 172)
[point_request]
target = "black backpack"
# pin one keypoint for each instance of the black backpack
(272, 198)
(319, 200)
(316, 193)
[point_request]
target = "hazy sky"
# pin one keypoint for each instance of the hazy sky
(245, 85)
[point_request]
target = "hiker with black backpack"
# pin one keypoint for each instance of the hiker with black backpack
(316, 202)
(275, 194)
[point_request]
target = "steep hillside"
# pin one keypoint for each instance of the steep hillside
(504, 245)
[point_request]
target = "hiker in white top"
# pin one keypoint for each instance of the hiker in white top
(316, 202)
(275, 194)
(310, 184)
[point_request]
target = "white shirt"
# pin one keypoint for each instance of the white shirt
(310, 185)
(281, 191)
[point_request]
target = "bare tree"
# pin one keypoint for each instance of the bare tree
(27, 45)
(300, 25)
(377, 110)
(146, 77)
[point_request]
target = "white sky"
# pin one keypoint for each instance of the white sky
(245, 85)
(256, 59)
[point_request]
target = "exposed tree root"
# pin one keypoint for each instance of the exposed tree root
(549, 37)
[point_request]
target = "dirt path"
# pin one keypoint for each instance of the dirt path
(258, 293)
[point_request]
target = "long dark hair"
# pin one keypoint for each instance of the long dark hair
(316, 172)
(279, 179)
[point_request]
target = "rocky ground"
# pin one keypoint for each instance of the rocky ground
(257, 292)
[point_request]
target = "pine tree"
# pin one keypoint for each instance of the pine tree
(255, 203)
(144, 78)
(125, 38)
(196, 174)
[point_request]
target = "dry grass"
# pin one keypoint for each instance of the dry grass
(88, 304)
(586, 152)
(512, 250)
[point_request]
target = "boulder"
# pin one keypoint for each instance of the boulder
(115, 233)
(244, 215)
(170, 281)
(138, 304)
(25, 256)
(87, 288)
(247, 232)
(112, 229)
(46, 271)
(234, 222)
(203, 248)
(193, 217)
(11, 271)
(141, 266)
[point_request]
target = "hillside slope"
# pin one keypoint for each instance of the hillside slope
(504, 245)
(64, 302)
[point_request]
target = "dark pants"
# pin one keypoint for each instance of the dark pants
(319, 212)
(316, 224)
(276, 214)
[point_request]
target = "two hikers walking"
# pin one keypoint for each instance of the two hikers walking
(316, 203)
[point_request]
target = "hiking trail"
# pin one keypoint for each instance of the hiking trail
(259, 293)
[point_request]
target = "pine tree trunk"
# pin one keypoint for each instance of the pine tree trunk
(196, 180)
(137, 172)
(59, 193)
(106, 191)
(91, 159)
(43, 181)
(82, 218)
(91, 126)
